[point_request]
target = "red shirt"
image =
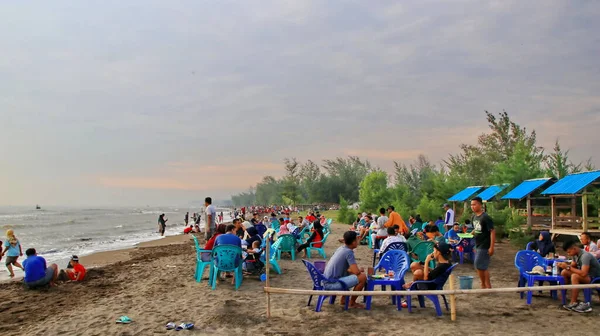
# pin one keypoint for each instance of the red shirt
(187, 230)
(311, 218)
(78, 271)
(211, 242)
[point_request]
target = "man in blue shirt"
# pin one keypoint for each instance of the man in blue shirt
(36, 272)
(229, 238)
(453, 237)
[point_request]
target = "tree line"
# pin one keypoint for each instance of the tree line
(506, 153)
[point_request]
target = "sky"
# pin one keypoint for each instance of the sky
(166, 102)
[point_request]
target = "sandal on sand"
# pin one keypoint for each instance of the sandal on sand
(185, 326)
(124, 320)
(170, 326)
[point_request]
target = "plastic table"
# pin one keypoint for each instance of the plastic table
(395, 284)
(533, 278)
(465, 235)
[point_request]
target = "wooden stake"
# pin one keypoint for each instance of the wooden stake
(452, 299)
(267, 281)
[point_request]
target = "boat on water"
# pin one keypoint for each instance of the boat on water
(37, 207)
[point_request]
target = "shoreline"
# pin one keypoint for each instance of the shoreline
(109, 257)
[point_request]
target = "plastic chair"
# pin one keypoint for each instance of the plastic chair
(301, 234)
(318, 284)
(422, 250)
(320, 250)
(412, 242)
(587, 293)
(525, 261)
(392, 260)
(287, 244)
(272, 257)
(468, 248)
(529, 246)
(227, 258)
(439, 283)
(201, 265)
(393, 246)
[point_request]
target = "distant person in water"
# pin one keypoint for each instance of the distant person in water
(187, 218)
(162, 224)
(12, 250)
(36, 272)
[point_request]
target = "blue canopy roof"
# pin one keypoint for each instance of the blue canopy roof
(465, 194)
(492, 191)
(526, 188)
(572, 184)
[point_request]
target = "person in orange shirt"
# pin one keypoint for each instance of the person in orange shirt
(78, 271)
(395, 219)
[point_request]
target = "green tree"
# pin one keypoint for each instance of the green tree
(374, 192)
(291, 181)
(345, 215)
(523, 164)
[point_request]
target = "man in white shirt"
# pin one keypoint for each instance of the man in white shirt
(392, 238)
(211, 218)
(380, 233)
(449, 221)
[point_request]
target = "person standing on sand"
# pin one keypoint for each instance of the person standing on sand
(162, 224)
(12, 250)
(485, 238)
(187, 218)
(211, 214)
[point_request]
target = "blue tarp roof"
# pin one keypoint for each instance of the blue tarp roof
(572, 184)
(526, 188)
(465, 194)
(492, 191)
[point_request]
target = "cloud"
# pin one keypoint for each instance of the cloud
(197, 95)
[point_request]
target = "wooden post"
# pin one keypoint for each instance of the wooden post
(584, 212)
(452, 299)
(553, 210)
(574, 206)
(529, 213)
(510, 204)
(267, 280)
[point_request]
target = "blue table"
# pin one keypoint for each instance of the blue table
(395, 284)
(533, 278)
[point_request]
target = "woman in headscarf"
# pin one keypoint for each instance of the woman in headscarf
(316, 237)
(253, 236)
(544, 244)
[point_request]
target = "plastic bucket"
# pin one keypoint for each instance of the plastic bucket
(466, 281)
(320, 265)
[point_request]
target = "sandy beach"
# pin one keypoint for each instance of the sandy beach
(153, 284)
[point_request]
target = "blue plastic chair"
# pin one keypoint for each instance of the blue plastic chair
(529, 247)
(392, 260)
(468, 248)
(227, 258)
(320, 250)
(318, 284)
(392, 246)
(587, 293)
(301, 234)
(287, 244)
(525, 261)
(201, 265)
(439, 283)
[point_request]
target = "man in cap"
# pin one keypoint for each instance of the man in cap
(77, 273)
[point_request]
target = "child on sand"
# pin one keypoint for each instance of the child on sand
(77, 273)
(12, 250)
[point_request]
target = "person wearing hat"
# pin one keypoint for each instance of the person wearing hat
(77, 273)
(442, 253)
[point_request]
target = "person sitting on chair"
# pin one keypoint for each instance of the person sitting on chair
(342, 269)
(581, 270)
(442, 253)
(392, 237)
(453, 237)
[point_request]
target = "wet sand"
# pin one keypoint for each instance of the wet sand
(153, 284)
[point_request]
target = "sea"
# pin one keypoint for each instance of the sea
(57, 233)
